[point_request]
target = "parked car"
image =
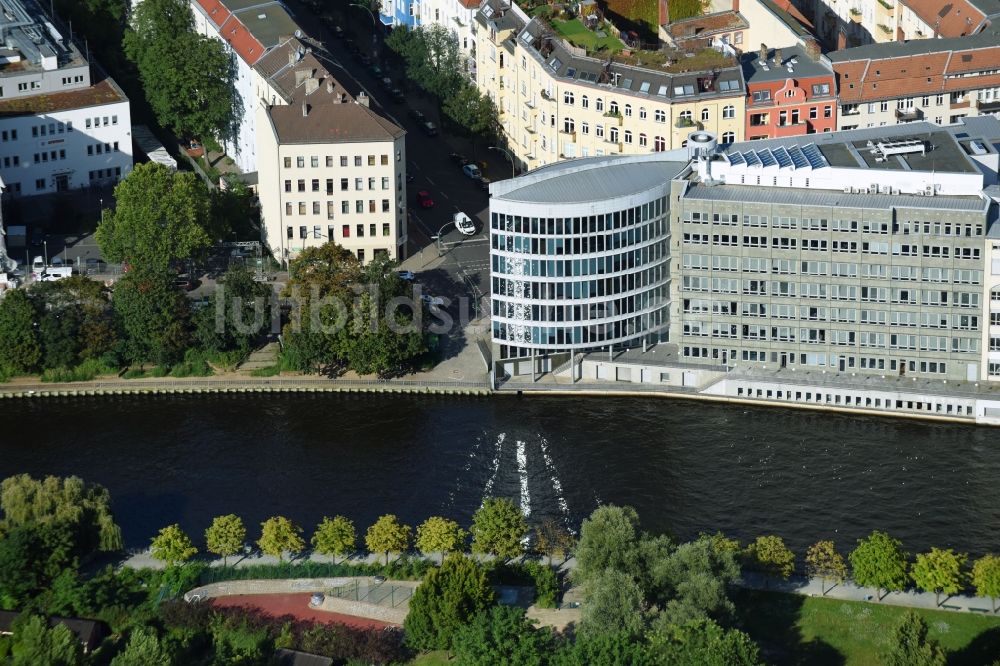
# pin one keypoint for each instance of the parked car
(483, 183)
(397, 95)
(458, 158)
(424, 199)
(386, 83)
(338, 32)
(472, 171)
(406, 276)
(464, 224)
(429, 128)
(364, 58)
(416, 115)
(376, 70)
(432, 302)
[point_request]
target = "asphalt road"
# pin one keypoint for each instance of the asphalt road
(466, 258)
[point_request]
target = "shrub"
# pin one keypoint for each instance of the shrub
(84, 372)
(269, 371)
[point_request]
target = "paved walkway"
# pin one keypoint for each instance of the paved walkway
(848, 591)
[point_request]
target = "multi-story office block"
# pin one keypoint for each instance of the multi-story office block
(330, 168)
(866, 252)
(64, 124)
(557, 102)
(579, 255)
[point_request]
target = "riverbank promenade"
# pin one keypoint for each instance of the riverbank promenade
(800, 585)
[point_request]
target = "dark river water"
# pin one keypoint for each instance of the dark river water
(686, 467)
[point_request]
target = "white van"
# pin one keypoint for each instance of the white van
(464, 224)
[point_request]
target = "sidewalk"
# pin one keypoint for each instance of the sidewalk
(848, 591)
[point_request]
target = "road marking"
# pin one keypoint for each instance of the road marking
(431, 182)
(444, 195)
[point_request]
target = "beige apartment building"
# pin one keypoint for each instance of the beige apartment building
(329, 168)
(940, 80)
(557, 103)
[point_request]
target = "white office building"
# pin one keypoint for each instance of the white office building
(64, 123)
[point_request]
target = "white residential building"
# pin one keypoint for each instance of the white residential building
(330, 168)
(64, 124)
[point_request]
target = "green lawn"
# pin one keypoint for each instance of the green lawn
(793, 629)
(577, 34)
(436, 658)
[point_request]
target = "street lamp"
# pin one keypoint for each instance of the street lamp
(509, 157)
(437, 238)
(45, 246)
(374, 26)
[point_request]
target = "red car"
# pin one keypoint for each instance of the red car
(424, 199)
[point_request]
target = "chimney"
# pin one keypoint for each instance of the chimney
(329, 86)
(812, 49)
(736, 5)
(305, 109)
(312, 85)
(362, 99)
(777, 57)
(762, 54)
(301, 75)
(291, 58)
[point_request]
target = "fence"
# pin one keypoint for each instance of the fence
(377, 594)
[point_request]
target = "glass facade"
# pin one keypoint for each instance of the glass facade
(580, 282)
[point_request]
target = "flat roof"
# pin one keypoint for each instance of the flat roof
(794, 196)
(803, 66)
(849, 148)
(599, 182)
(104, 91)
(269, 30)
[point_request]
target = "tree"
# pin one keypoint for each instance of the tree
(823, 562)
(702, 642)
(378, 340)
(721, 543)
(189, 80)
(240, 312)
(986, 577)
(226, 536)
(939, 571)
(553, 540)
(388, 535)
(601, 649)
(279, 535)
(772, 556)
(144, 649)
(909, 645)
(608, 540)
(154, 318)
(20, 349)
(499, 529)
(85, 507)
(21, 578)
(34, 643)
(614, 604)
(447, 599)
(440, 535)
(334, 536)
(691, 582)
(161, 216)
(474, 112)
(172, 546)
(500, 636)
(880, 562)
(433, 60)
(82, 325)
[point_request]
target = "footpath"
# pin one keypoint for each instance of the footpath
(846, 591)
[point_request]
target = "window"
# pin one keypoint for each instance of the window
(300, 162)
(728, 112)
(642, 140)
(599, 104)
(40, 184)
(568, 98)
(659, 144)
(288, 209)
(384, 160)
(343, 160)
(314, 161)
(642, 113)
(329, 161)
(301, 185)
(357, 160)
(585, 128)
(385, 205)
(290, 232)
(315, 208)
(371, 160)
(302, 208)
(569, 126)
(705, 115)
(584, 102)
(728, 137)
(628, 136)
(660, 116)
(288, 186)
(345, 231)
(628, 110)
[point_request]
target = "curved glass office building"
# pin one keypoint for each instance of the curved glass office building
(580, 255)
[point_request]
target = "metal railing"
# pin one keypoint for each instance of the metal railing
(378, 594)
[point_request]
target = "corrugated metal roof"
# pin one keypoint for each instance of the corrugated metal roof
(597, 184)
(804, 197)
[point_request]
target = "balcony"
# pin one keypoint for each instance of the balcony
(909, 115)
(855, 15)
(850, 110)
(961, 103)
(546, 96)
(683, 122)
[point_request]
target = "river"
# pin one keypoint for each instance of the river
(686, 467)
